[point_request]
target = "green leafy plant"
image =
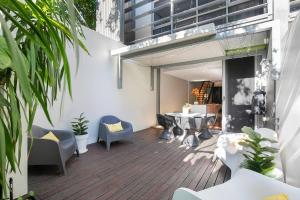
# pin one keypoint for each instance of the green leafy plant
(258, 157)
(34, 68)
(29, 196)
(80, 125)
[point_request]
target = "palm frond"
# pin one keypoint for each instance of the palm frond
(34, 67)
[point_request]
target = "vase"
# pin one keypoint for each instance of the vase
(82, 143)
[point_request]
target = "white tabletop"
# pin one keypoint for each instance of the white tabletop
(191, 115)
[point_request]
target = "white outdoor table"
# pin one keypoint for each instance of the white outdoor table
(192, 139)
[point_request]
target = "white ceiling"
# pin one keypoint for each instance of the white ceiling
(193, 52)
(209, 49)
(201, 72)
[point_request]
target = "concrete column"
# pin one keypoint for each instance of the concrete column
(158, 91)
(152, 78)
(281, 9)
(119, 73)
(224, 94)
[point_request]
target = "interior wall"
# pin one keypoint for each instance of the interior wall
(173, 93)
(95, 90)
(288, 105)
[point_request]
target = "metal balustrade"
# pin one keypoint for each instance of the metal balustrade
(147, 19)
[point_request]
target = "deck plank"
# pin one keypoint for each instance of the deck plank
(146, 168)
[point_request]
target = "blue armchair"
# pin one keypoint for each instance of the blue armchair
(107, 136)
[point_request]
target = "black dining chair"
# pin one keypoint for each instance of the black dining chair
(177, 131)
(167, 123)
(205, 133)
(191, 139)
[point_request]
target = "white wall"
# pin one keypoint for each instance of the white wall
(288, 106)
(173, 93)
(20, 180)
(95, 90)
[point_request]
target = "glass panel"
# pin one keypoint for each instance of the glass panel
(182, 5)
(202, 2)
(212, 15)
(212, 7)
(162, 14)
(246, 14)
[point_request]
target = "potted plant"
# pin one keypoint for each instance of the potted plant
(259, 157)
(80, 130)
(186, 108)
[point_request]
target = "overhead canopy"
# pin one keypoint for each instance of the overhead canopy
(202, 48)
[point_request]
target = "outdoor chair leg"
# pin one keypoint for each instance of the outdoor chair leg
(166, 135)
(62, 168)
(205, 134)
(77, 152)
(107, 146)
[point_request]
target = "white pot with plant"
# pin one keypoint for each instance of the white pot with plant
(186, 108)
(80, 130)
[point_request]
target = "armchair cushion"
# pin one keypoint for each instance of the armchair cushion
(50, 136)
(277, 197)
(113, 128)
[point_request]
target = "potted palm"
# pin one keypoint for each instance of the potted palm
(80, 130)
(259, 157)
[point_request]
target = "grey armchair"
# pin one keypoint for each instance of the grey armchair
(48, 152)
(109, 137)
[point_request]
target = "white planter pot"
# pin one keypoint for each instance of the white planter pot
(82, 143)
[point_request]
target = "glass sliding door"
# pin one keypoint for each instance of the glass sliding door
(240, 85)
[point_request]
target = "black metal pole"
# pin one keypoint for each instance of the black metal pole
(1, 192)
(11, 195)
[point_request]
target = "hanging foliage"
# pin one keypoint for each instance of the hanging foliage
(87, 10)
(34, 67)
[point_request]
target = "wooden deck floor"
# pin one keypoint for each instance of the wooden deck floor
(146, 168)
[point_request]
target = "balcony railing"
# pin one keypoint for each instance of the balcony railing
(146, 19)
